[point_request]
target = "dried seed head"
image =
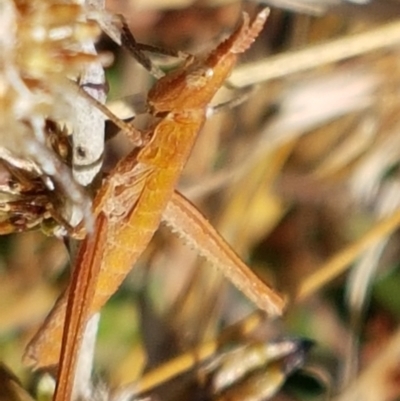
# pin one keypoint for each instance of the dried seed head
(41, 44)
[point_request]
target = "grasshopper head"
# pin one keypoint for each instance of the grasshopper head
(194, 84)
(191, 86)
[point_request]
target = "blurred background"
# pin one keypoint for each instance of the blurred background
(302, 179)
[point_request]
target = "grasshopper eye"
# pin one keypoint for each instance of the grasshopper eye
(199, 77)
(209, 73)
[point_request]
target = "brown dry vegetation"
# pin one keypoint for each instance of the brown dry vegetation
(302, 179)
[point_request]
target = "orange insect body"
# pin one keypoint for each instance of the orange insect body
(139, 189)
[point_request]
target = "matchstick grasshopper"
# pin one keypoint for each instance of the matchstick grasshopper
(138, 194)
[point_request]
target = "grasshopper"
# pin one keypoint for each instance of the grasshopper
(138, 194)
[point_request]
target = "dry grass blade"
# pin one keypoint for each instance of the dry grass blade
(342, 260)
(379, 381)
(279, 66)
(193, 357)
